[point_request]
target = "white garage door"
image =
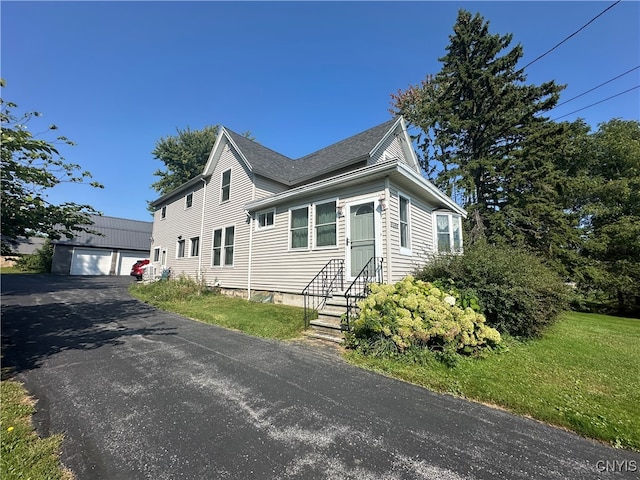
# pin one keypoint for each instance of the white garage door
(89, 261)
(127, 259)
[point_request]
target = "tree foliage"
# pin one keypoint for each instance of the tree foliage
(608, 196)
(184, 156)
(476, 116)
(30, 167)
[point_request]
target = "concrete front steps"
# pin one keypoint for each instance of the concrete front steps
(327, 326)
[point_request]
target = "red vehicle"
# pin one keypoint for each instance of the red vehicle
(138, 269)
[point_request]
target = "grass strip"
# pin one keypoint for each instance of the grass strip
(24, 455)
(258, 319)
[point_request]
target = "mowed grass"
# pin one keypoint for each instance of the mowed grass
(584, 374)
(24, 455)
(186, 298)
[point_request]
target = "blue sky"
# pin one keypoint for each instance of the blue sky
(115, 77)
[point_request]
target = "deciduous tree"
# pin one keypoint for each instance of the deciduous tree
(30, 167)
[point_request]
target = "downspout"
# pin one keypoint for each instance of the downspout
(250, 217)
(387, 221)
(204, 202)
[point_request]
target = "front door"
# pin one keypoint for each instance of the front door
(362, 241)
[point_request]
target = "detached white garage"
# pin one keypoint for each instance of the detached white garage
(90, 261)
(112, 248)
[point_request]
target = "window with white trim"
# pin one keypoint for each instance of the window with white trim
(404, 223)
(265, 220)
(299, 227)
(326, 231)
(225, 189)
(223, 244)
(229, 240)
(188, 200)
(217, 248)
(163, 212)
(194, 247)
(156, 254)
(180, 248)
(449, 233)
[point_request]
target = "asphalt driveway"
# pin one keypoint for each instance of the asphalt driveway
(142, 394)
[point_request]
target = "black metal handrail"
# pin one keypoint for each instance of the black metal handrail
(321, 287)
(372, 272)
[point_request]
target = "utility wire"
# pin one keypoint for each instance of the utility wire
(596, 103)
(574, 33)
(592, 89)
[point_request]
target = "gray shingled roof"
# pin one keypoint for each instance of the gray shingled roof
(116, 233)
(276, 166)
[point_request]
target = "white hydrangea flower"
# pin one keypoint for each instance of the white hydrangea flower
(450, 300)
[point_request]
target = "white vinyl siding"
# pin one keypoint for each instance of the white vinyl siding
(278, 267)
(420, 234)
(219, 216)
(181, 223)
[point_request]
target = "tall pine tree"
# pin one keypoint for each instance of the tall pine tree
(476, 116)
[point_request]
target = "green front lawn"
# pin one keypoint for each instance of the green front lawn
(258, 319)
(582, 375)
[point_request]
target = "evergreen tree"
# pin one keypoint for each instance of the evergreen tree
(476, 116)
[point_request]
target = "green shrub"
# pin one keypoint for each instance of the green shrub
(39, 261)
(175, 289)
(395, 319)
(517, 293)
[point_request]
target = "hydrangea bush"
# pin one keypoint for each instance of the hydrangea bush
(413, 313)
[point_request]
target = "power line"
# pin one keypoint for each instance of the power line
(574, 33)
(596, 103)
(601, 85)
(592, 89)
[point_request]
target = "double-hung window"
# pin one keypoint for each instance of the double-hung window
(188, 200)
(325, 225)
(225, 189)
(299, 227)
(405, 231)
(449, 233)
(195, 247)
(180, 249)
(229, 239)
(156, 254)
(223, 243)
(217, 248)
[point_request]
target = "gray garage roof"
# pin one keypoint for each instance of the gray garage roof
(118, 233)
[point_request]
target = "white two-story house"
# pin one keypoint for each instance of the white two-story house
(256, 220)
